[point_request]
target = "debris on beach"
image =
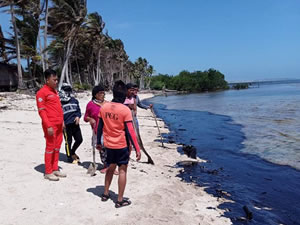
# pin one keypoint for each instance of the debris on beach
(190, 151)
(3, 107)
(249, 214)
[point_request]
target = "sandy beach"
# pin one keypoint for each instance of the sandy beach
(157, 194)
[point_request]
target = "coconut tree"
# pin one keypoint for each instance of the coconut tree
(140, 72)
(129, 70)
(7, 48)
(65, 19)
(11, 5)
(43, 11)
(3, 53)
(149, 72)
(121, 56)
(28, 26)
(109, 46)
(44, 51)
(95, 26)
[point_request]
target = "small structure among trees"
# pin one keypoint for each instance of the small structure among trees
(8, 77)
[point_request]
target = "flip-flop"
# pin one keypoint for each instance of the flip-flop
(122, 203)
(103, 170)
(104, 197)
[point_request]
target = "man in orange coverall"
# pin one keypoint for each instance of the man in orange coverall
(51, 113)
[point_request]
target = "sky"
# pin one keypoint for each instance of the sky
(244, 39)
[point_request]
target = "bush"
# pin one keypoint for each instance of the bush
(78, 86)
(197, 81)
(240, 86)
(157, 85)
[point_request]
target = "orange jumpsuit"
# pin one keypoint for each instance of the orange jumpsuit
(51, 113)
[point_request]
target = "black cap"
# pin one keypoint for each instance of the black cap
(66, 87)
(129, 86)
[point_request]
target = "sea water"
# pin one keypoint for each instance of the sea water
(251, 139)
(270, 116)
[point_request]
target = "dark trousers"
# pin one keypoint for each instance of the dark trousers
(72, 131)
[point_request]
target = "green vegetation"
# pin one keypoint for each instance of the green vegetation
(240, 86)
(63, 35)
(198, 81)
(78, 86)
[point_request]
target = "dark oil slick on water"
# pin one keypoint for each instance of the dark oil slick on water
(267, 190)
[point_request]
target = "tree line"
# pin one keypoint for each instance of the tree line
(61, 34)
(198, 81)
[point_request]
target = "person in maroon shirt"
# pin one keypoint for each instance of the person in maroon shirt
(51, 113)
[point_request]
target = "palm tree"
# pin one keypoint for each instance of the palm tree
(28, 30)
(11, 4)
(95, 26)
(141, 65)
(43, 10)
(129, 68)
(3, 54)
(65, 20)
(44, 52)
(7, 48)
(149, 72)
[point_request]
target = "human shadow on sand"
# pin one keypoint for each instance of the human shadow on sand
(41, 168)
(87, 164)
(99, 190)
(63, 157)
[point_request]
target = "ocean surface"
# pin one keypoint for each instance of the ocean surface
(251, 141)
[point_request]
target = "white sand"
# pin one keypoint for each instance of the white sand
(157, 195)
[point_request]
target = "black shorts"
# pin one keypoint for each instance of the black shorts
(117, 156)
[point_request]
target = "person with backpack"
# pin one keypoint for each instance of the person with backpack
(72, 114)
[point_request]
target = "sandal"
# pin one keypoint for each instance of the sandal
(122, 203)
(103, 170)
(77, 157)
(104, 197)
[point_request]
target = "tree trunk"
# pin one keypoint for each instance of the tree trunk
(45, 54)
(142, 81)
(65, 67)
(122, 71)
(21, 83)
(78, 71)
(41, 51)
(98, 69)
(28, 67)
(70, 73)
(66, 73)
(111, 75)
(34, 70)
(94, 77)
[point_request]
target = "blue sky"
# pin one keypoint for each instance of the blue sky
(244, 39)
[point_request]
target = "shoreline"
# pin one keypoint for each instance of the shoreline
(157, 193)
(252, 184)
